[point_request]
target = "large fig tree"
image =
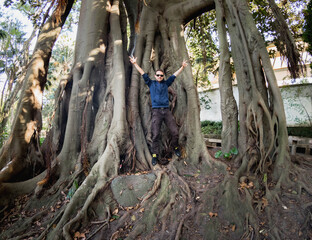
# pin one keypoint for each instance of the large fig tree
(102, 130)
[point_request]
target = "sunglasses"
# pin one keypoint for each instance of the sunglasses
(159, 75)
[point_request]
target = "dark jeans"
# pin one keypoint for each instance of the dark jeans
(160, 115)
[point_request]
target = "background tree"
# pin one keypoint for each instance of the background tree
(24, 137)
(10, 63)
(102, 128)
(281, 23)
(307, 32)
(19, 54)
(202, 47)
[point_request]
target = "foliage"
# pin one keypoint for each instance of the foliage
(202, 41)
(34, 10)
(3, 34)
(37, 11)
(307, 30)
(211, 127)
(205, 102)
(73, 189)
(268, 17)
(11, 53)
(202, 45)
(263, 16)
(300, 131)
(60, 65)
(11, 44)
(227, 155)
(4, 136)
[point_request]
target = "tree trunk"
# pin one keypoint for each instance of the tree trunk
(228, 103)
(23, 142)
(287, 44)
(102, 128)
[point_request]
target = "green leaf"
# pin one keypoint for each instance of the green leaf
(227, 155)
(75, 184)
(234, 151)
(265, 178)
(218, 154)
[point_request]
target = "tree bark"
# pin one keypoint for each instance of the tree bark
(103, 124)
(24, 138)
(228, 103)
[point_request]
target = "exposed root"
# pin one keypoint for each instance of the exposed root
(179, 229)
(250, 231)
(302, 185)
(9, 191)
(83, 212)
(44, 233)
(155, 187)
(106, 222)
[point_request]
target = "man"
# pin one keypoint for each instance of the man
(160, 108)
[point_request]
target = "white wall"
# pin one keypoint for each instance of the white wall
(297, 100)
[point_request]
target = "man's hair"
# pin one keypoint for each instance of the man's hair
(160, 70)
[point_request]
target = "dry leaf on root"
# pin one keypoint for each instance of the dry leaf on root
(79, 235)
(115, 211)
(211, 214)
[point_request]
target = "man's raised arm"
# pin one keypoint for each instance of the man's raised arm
(133, 61)
(184, 64)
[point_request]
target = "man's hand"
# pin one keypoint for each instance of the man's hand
(184, 64)
(133, 61)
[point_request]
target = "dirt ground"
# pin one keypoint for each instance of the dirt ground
(293, 214)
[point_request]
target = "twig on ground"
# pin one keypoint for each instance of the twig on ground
(97, 230)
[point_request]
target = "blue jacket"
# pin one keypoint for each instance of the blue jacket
(159, 91)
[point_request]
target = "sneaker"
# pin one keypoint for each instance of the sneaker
(177, 151)
(154, 159)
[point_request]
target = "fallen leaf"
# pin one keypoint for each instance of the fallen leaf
(141, 210)
(265, 202)
(115, 211)
(129, 208)
(243, 185)
(211, 214)
(133, 218)
(233, 228)
(188, 207)
(79, 235)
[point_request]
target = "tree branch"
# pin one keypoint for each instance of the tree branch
(190, 9)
